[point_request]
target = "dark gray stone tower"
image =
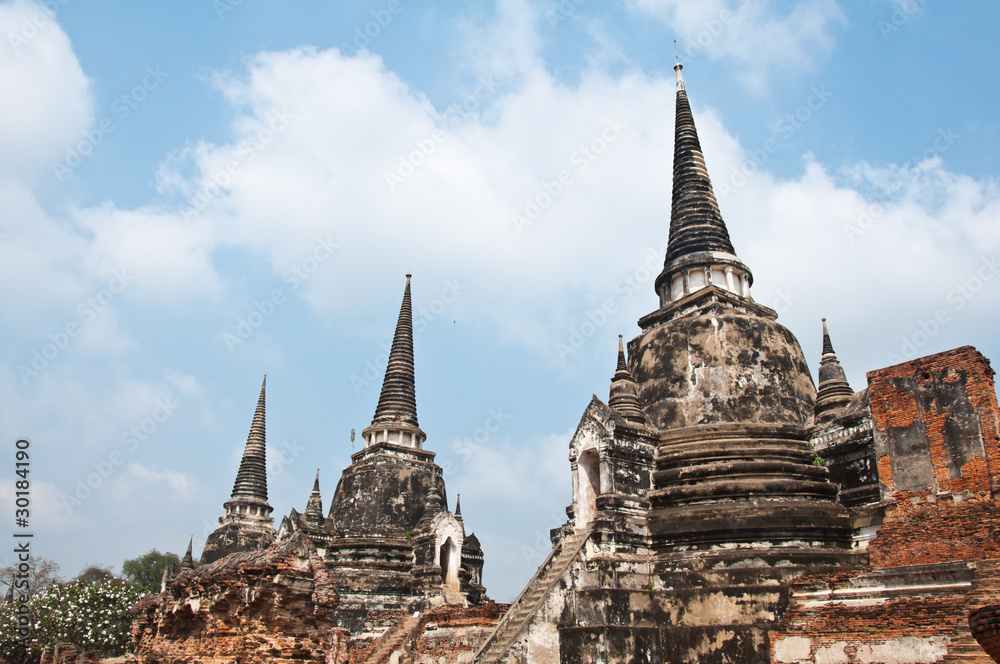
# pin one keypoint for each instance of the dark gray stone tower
(696, 493)
(247, 524)
(389, 537)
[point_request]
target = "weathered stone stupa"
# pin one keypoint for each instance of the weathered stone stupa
(696, 495)
(389, 538)
(247, 524)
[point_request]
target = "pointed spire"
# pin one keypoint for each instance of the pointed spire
(624, 396)
(827, 344)
(398, 402)
(696, 223)
(458, 504)
(622, 366)
(187, 562)
(700, 255)
(314, 507)
(251, 479)
(165, 578)
(834, 392)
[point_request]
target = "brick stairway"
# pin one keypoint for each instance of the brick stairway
(527, 603)
(398, 637)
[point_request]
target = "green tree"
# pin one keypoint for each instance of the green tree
(94, 574)
(147, 570)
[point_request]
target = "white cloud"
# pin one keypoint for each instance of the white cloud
(179, 483)
(186, 384)
(762, 37)
(47, 104)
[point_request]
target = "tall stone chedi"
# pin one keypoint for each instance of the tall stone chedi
(696, 493)
(389, 537)
(731, 393)
(247, 524)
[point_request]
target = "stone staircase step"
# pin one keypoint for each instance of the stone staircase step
(528, 603)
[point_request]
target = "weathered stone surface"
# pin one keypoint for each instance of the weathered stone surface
(384, 490)
(722, 368)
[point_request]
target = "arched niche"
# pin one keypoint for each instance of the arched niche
(450, 561)
(588, 484)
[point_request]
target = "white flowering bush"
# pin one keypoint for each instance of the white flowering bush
(11, 649)
(91, 616)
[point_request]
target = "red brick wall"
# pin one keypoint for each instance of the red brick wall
(959, 520)
(850, 627)
(893, 407)
(937, 533)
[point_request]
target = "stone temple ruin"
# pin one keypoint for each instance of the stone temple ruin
(725, 509)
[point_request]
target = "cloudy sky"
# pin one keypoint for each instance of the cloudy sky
(198, 193)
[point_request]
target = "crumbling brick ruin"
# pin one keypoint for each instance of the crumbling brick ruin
(935, 557)
(264, 606)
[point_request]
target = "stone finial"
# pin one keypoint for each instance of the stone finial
(696, 223)
(624, 396)
(314, 507)
(834, 392)
(395, 420)
(458, 504)
(434, 502)
(397, 402)
(251, 479)
(187, 562)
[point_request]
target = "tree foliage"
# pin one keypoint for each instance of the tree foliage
(94, 574)
(42, 572)
(146, 571)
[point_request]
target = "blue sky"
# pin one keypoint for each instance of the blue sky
(169, 169)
